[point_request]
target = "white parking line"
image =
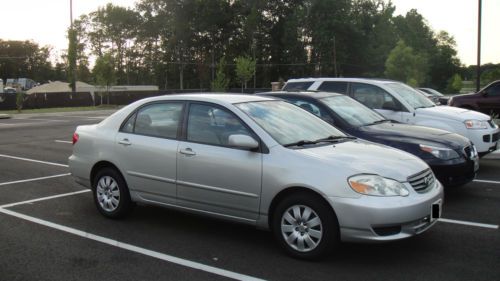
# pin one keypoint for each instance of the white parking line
(487, 181)
(34, 179)
(63, 141)
(132, 248)
(491, 226)
(44, 198)
(33, 160)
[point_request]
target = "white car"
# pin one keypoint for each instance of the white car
(400, 102)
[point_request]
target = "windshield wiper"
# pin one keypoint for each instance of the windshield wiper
(327, 139)
(300, 143)
(377, 122)
(335, 138)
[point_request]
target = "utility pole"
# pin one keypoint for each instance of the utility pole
(478, 66)
(71, 33)
(334, 57)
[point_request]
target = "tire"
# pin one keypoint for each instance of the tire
(111, 195)
(318, 231)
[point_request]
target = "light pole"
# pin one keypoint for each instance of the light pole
(478, 66)
(72, 45)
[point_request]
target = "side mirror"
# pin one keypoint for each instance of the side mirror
(242, 141)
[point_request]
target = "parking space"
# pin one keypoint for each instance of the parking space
(52, 231)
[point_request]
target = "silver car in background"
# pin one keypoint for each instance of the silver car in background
(258, 161)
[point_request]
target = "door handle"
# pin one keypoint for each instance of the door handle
(125, 142)
(187, 151)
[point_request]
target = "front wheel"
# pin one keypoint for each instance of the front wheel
(111, 194)
(305, 226)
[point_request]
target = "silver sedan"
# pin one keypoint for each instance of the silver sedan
(258, 161)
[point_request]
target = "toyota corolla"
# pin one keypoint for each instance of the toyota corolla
(258, 161)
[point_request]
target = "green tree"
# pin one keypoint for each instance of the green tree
(104, 73)
(403, 64)
(490, 75)
(221, 82)
(245, 68)
(454, 84)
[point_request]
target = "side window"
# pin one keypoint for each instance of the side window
(494, 90)
(336, 87)
(128, 127)
(373, 96)
(156, 120)
(297, 86)
(213, 125)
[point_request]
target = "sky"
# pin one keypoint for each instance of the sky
(46, 22)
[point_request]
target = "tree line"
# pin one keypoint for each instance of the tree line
(192, 44)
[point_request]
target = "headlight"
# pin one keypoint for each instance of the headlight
(440, 152)
(476, 124)
(375, 185)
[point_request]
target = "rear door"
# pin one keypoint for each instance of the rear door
(146, 149)
(212, 176)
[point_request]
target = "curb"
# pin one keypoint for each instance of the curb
(4, 116)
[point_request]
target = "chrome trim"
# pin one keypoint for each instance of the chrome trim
(197, 210)
(218, 189)
(150, 177)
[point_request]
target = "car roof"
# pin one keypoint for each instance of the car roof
(343, 79)
(211, 97)
(309, 94)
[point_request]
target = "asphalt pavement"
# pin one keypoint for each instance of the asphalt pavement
(51, 230)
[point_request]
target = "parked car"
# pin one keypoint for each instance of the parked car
(259, 161)
(435, 96)
(429, 96)
(487, 100)
(453, 158)
(400, 102)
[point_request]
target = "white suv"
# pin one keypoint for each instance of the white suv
(400, 102)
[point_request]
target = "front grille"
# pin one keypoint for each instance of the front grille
(423, 181)
(494, 137)
(468, 152)
(486, 138)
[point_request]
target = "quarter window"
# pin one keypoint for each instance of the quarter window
(213, 125)
(297, 86)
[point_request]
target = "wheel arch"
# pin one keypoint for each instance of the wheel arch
(100, 165)
(291, 190)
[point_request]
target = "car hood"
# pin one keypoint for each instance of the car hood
(388, 133)
(362, 157)
(454, 113)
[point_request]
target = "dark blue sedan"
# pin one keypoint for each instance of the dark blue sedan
(452, 158)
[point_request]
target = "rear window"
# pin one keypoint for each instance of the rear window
(297, 86)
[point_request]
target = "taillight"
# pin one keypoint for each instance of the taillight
(75, 138)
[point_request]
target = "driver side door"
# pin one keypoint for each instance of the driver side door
(378, 99)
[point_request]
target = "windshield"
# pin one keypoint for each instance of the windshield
(434, 92)
(351, 111)
(286, 123)
(414, 98)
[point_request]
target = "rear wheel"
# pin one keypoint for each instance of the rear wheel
(111, 194)
(305, 226)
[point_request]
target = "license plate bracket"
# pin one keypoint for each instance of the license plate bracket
(436, 210)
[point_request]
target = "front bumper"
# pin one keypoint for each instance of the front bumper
(484, 140)
(455, 174)
(377, 219)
